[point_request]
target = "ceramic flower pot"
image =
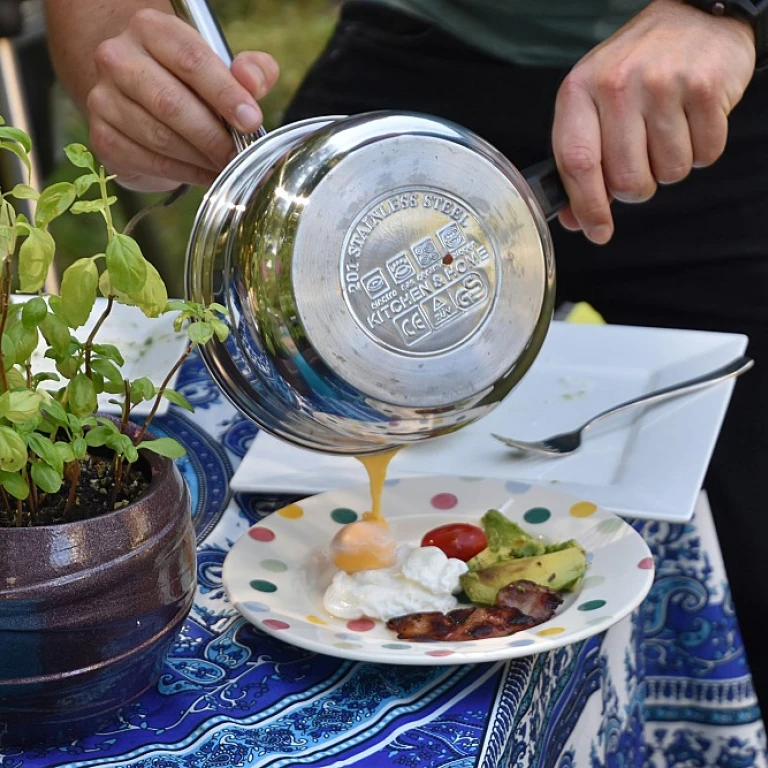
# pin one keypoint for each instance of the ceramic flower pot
(88, 610)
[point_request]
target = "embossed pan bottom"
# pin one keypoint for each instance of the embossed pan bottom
(389, 278)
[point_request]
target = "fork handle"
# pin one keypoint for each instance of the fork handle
(734, 368)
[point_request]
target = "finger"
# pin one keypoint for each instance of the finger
(568, 220)
(113, 148)
(183, 52)
(577, 148)
(669, 145)
(708, 126)
(626, 165)
(670, 150)
(139, 183)
(144, 81)
(137, 124)
(256, 71)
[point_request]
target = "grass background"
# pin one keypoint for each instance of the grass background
(294, 32)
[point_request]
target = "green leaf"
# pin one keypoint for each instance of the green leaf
(39, 378)
(25, 340)
(127, 267)
(34, 312)
(89, 206)
(78, 291)
(78, 155)
(45, 477)
(200, 333)
(65, 451)
(142, 389)
(8, 347)
(220, 308)
(20, 152)
(84, 183)
(178, 306)
(95, 437)
(15, 484)
(109, 371)
(13, 450)
(177, 399)
(98, 382)
(56, 333)
(220, 329)
(82, 395)
(152, 299)
(46, 450)
(110, 351)
(67, 367)
(35, 258)
(23, 405)
(16, 379)
(16, 134)
(55, 411)
(79, 446)
(164, 446)
(54, 201)
(25, 192)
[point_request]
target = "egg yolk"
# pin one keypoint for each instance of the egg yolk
(363, 546)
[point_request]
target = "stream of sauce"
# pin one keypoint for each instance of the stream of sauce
(376, 466)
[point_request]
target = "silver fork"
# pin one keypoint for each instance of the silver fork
(568, 442)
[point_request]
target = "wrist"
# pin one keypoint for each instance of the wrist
(747, 17)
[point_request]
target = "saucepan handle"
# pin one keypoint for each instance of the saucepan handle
(199, 15)
(545, 182)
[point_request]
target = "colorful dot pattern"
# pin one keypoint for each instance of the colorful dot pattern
(537, 515)
(364, 634)
(343, 516)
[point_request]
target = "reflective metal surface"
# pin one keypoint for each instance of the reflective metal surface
(389, 276)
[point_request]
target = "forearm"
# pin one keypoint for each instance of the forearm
(75, 29)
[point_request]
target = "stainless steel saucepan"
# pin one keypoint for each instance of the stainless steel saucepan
(389, 276)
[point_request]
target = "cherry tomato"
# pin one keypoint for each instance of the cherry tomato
(460, 540)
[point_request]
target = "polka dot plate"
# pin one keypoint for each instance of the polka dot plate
(276, 573)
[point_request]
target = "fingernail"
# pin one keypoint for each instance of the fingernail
(601, 234)
(247, 117)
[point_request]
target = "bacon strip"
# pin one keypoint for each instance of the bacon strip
(532, 599)
(521, 605)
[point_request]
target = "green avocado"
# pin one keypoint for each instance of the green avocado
(506, 540)
(559, 570)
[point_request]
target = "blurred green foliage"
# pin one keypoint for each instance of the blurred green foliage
(294, 32)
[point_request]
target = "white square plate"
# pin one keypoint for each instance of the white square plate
(150, 348)
(646, 463)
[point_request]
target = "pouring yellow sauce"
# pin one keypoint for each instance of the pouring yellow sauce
(362, 546)
(376, 466)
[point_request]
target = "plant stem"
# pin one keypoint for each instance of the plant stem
(105, 197)
(92, 336)
(126, 406)
(6, 284)
(6, 500)
(72, 473)
(159, 395)
(19, 514)
(34, 507)
(117, 464)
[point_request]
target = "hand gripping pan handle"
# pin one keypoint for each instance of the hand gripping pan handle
(198, 14)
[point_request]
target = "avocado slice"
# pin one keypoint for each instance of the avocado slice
(506, 541)
(560, 570)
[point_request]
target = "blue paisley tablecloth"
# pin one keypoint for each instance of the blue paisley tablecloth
(667, 687)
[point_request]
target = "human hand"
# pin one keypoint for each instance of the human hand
(645, 106)
(153, 112)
